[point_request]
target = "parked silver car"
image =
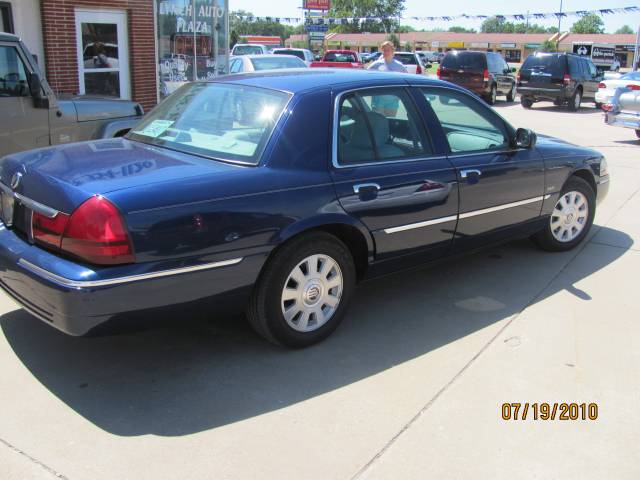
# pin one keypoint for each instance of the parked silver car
(254, 63)
(32, 116)
(302, 53)
(620, 100)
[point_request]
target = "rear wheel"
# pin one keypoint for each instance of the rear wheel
(526, 102)
(575, 100)
(638, 133)
(598, 105)
(571, 218)
(511, 96)
(304, 291)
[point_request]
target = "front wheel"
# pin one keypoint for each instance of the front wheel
(571, 218)
(526, 102)
(638, 133)
(304, 291)
(511, 96)
(491, 99)
(575, 101)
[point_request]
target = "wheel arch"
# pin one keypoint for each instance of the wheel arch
(586, 175)
(349, 231)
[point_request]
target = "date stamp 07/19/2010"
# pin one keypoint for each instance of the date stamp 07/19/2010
(549, 411)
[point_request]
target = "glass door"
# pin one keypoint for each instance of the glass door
(103, 53)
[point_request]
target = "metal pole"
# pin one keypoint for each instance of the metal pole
(559, 27)
(636, 53)
(195, 54)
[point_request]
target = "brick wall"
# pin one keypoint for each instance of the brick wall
(60, 46)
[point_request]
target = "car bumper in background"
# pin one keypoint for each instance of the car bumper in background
(75, 299)
(623, 119)
(543, 93)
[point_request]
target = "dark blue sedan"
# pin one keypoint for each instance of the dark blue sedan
(278, 192)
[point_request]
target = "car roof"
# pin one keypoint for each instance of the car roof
(266, 55)
(303, 79)
(8, 37)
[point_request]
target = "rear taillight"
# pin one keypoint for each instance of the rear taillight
(602, 85)
(48, 231)
(439, 72)
(633, 87)
(485, 75)
(419, 70)
(607, 107)
(566, 79)
(96, 232)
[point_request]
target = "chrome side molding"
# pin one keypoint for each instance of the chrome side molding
(79, 284)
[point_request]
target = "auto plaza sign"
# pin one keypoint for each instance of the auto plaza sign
(599, 54)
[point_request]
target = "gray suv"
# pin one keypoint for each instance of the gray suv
(32, 116)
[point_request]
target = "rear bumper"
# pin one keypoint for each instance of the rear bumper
(75, 299)
(550, 94)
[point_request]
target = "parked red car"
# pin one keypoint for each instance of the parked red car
(338, 59)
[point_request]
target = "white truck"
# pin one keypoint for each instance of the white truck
(602, 55)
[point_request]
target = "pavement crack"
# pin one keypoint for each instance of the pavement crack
(34, 460)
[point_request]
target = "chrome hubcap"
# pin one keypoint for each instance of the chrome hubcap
(493, 94)
(569, 217)
(578, 100)
(312, 293)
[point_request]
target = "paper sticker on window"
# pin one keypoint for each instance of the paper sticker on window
(155, 128)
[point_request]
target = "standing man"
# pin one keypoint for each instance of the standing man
(387, 63)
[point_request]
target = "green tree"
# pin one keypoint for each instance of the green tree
(625, 29)
(589, 24)
(459, 29)
(387, 10)
(548, 46)
(393, 38)
(239, 26)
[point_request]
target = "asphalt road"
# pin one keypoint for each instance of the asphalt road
(411, 386)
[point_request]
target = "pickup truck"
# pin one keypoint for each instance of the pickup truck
(33, 116)
(338, 59)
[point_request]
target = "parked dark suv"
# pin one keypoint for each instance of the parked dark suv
(562, 78)
(484, 73)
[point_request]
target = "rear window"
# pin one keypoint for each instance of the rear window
(218, 121)
(465, 61)
(275, 63)
(631, 76)
(339, 57)
(406, 58)
(247, 50)
(295, 53)
(549, 63)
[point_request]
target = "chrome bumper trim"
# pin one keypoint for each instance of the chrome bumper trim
(66, 282)
(31, 204)
(505, 206)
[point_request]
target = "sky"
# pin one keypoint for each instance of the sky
(422, 8)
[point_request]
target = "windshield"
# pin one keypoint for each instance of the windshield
(340, 57)
(406, 58)
(247, 50)
(274, 63)
(465, 61)
(295, 53)
(220, 121)
(631, 76)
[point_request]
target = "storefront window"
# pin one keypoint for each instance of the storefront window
(192, 41)
(514, 56)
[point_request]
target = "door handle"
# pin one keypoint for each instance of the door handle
(366, 188)
(465, 174)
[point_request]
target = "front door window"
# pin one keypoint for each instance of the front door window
(103, 53)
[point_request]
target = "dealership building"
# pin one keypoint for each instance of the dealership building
(131, 49)
(514, 47)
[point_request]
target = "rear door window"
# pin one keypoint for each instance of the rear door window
(295, 53)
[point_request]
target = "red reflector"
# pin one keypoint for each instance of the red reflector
(602, 85)
(567, 79)
(96, 233)
(419, 70)
(485, 74)
(607, 107)
(439, 72)
(48, 231)
(633, 87)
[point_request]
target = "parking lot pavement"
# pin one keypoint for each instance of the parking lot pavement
(409, 387)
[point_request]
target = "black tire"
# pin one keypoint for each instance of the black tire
(574, 101)
(526, 102)
(491, 99)
(545, 238)
(638, 133)
(511, 96)
(598, 105)
(265, 307)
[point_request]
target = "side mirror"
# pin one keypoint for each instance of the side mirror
(35, 87)
(525, 138)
